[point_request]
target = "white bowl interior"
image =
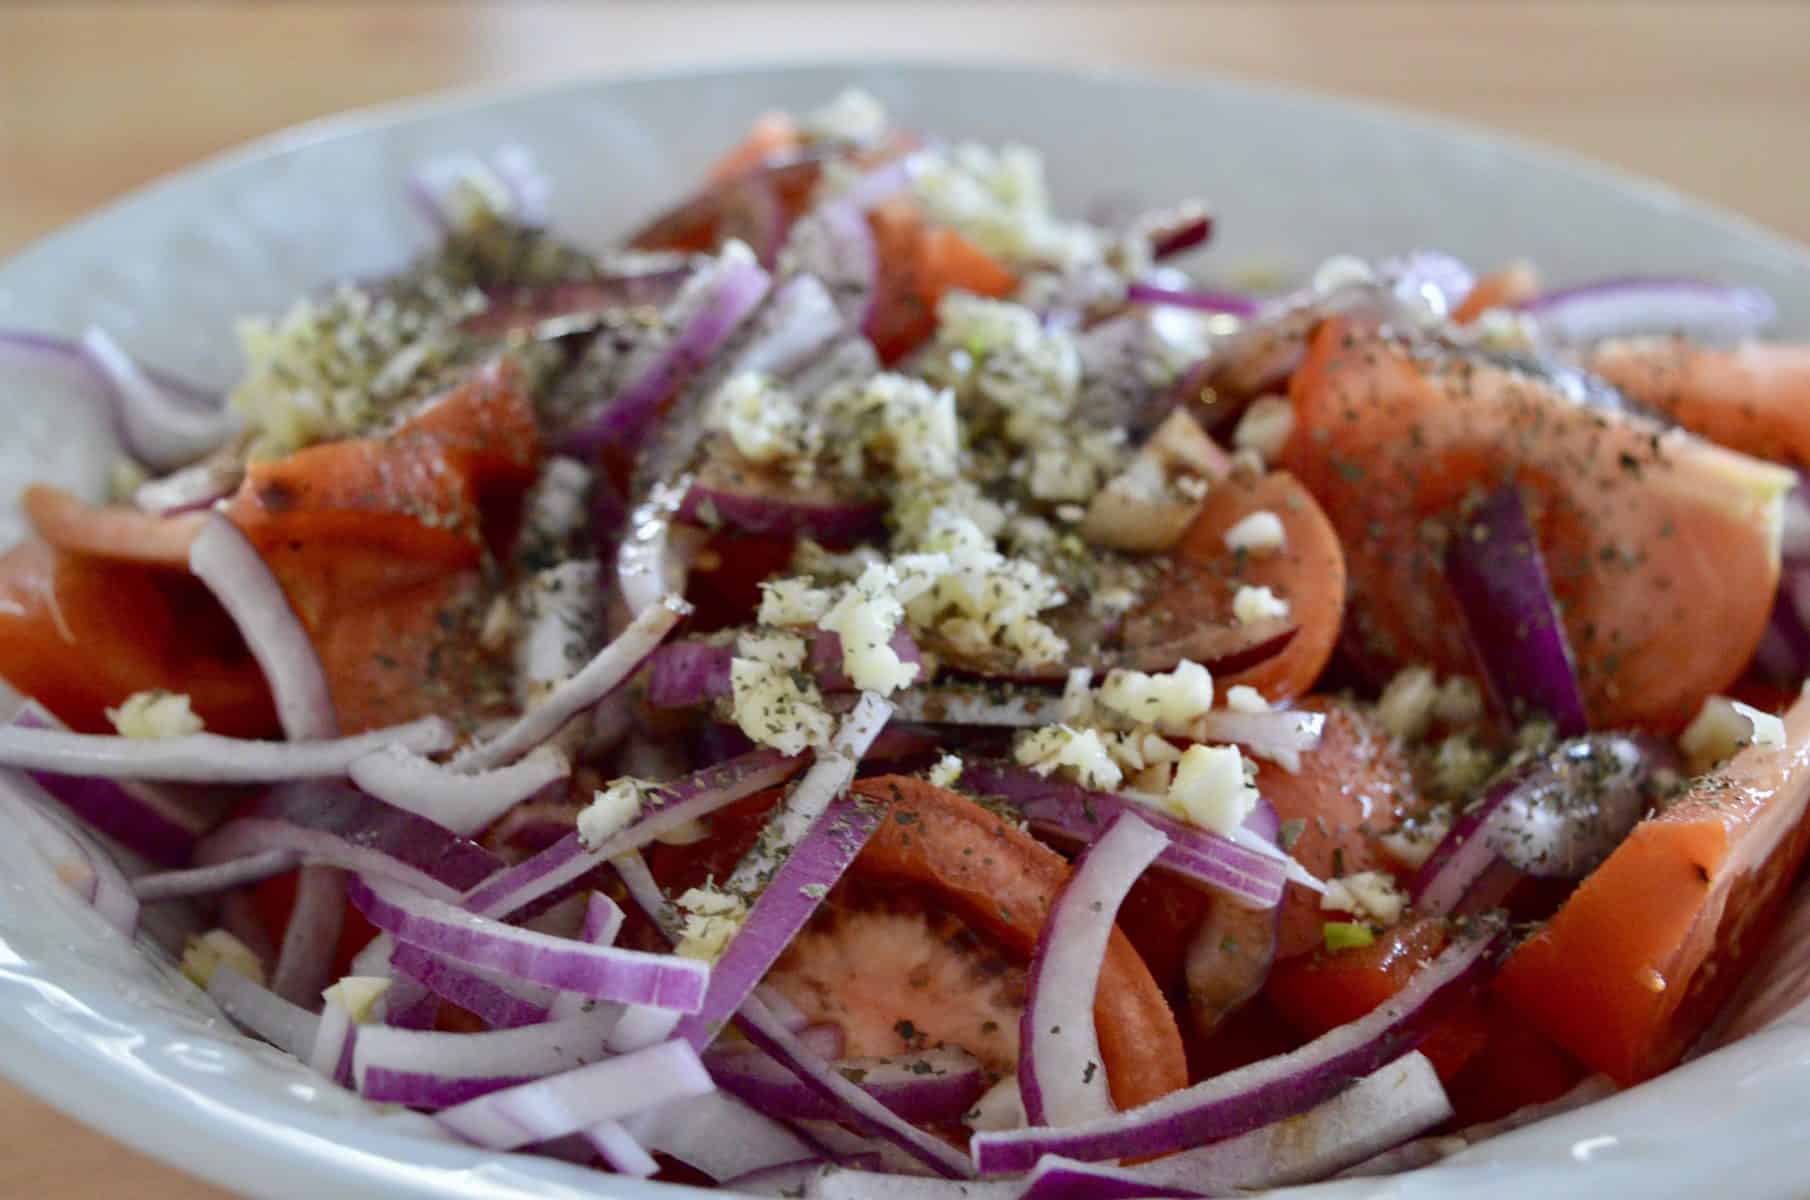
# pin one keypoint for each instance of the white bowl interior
(116, 1037)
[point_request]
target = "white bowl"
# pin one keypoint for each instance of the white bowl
(111, 1034)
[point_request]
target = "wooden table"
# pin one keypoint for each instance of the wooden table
(98, 98)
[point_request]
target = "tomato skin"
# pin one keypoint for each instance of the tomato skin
(1319, 992)
(81, 634)
(963, 862)
(1308, 572)
(918, 267)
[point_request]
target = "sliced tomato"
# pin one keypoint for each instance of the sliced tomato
(1754, 398)
(1649, 540)
(1641, 956)
(1319, 992)
(81, 634)
(926, 939)
(1198, 593)
(377, 541)
(1352, 787)
(918, 267)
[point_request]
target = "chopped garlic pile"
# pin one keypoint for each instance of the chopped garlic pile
(710, 919)
(1372, 894)
(1722, 727)
(773, 702)
(611, 810)
(330, 368)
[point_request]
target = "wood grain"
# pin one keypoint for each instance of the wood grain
(95, 99)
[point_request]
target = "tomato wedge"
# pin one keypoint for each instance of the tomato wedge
(1754, 398)
(377, 542)
(919, 265)
(926, 939)
(1649, 538)
(1319, 992)
(1636, 963)
(1201, 586)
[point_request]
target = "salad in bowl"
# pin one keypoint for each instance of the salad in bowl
(870, 687)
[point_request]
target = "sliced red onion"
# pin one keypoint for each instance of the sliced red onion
(557, 309)
(604, 972)
(687, 674)
(1281, 736)
(858, 1108)
(207, 757)
(333, 1036)
(1388, 1106)
(718, 1135)
(1053, 805)
(147, 820)
(225, 560)
(834, 244)
(1061, 1072)
(1498, 575)
(620, 1150)
(336, 825)
(937, 1085)
(1555, 816)
(250, 1005)
(849, 360)
(789, 895)
(83, 866)
(201, 881)
(1701, 311)
(785, 1179)
(426, 1069)
(1252, 1097)
(675, 804)
(460, 801)
(1063, 1179)
(509, 178)
(741, 501)
(990, 706)
(823, 784)
(483, 994)
(305, 959)
(796, 326)
(602, 922)
(1428, 1150)
(702, 317)
(1229, 960)
(646, 568)
(578, 1099)
(562, 612)
(1200, 301)
(842, 1183)
(1176, 230)
(609, 670)
(161, 430)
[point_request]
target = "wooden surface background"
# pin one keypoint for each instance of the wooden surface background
(95, 99)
